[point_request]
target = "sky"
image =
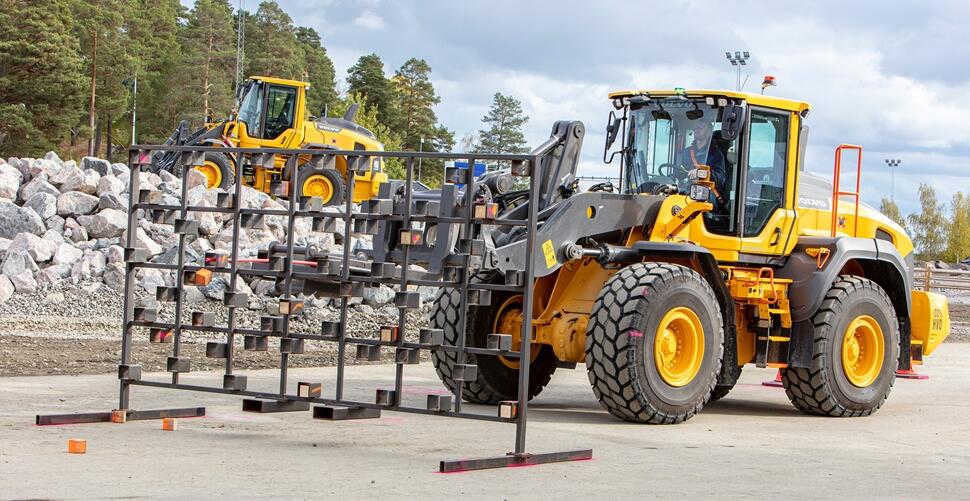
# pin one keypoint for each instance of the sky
(891, 76)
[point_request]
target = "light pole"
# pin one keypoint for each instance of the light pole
(132, 84)
(420, 149)
(738, 59)
(893, 163)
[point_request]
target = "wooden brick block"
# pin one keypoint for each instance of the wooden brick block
(170, 424)
(77, 446)
(119, 416)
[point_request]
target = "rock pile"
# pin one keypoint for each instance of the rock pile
(64, 223)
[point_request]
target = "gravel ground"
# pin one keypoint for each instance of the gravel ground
(76, 330)
(72, 330)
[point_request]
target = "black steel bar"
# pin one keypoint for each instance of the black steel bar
(180, 272)
(105, 417)
(291, 167)
(234, 261)
(320, 400)
(466, 232)
(403, 310)
(525, 346)
(344, 276)
(348, 153)
(134, 169)
(459, 465)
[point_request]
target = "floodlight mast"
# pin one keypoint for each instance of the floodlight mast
(738, 59)
(893, 163)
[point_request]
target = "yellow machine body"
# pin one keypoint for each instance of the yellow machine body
(564, 299)
(306, 133)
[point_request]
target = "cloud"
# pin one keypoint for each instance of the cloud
(370, 21)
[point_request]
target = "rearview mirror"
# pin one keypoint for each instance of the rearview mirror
(731, 120)
(612, 130)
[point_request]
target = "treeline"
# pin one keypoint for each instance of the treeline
(938, 232)
(68, 69)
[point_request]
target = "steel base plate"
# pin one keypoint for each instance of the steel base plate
(511, 460)
(105, 417)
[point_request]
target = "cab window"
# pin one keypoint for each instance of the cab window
(280, 110)
(765, 173)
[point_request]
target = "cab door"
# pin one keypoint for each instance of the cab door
(768, 185)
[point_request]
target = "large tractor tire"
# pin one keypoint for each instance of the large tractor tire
(654, 343)
(855, 353)
(498, 377)
(218, 170)
(327, 184)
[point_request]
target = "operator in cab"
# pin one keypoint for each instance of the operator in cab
(704, 150)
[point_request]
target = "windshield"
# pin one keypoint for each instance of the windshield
(670, 137)
(250, 107)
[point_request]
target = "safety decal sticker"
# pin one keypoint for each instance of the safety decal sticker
(550, 253)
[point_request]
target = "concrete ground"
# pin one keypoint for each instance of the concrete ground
(751, 445)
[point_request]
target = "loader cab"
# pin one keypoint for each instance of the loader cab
(750, 143)
(270, 112)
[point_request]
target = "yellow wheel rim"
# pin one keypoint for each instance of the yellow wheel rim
(862, 351)
(318, 186)
(509, 321)
(678, 347)
(212, 173)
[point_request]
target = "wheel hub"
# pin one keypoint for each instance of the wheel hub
(212, 173)
(318, 186)
(509, 321)
(862, 351)
(679, 346)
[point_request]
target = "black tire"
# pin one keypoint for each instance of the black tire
(622, 368)
(496, 382)
(222, 161)
(824, 389)
(721, 390)
(332, 175)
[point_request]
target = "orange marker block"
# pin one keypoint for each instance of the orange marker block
(119, 416)
(202, 277)
(77, 446)
(169, 424)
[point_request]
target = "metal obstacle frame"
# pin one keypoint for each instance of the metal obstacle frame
(340, 278)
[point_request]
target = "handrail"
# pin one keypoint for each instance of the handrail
(837, 185)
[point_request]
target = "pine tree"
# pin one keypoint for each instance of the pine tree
(102, 33)
(154, 42)
(318, 70)
(929, 227)
(958, 238)
(504, 133)
(209, 49)
(416, 118)
(366, 78)
(271, 45)
(889, 208)
(41, 95)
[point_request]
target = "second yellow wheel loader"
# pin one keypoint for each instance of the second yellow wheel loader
(273, 114)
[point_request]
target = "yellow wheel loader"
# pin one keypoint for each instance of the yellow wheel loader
(718, 250)
(273, 114)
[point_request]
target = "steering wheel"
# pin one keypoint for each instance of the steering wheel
(669, 167)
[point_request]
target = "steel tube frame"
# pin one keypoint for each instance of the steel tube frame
(139, 159)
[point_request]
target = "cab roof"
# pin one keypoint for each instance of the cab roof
(755, 99)
(281, 81)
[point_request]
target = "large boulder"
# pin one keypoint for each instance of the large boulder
(44, 167)
(24, 281)
(115, 201)
(75, 203)
(22, 165)
(86, 182)
(38, 185)
(74, 231)
(142, 240)
(10, 179)
(102, 167)
(67, 254)
(15, 264)
(39, 249)
(6, 289)
(110, 184)
(53, 274)
(15, 220)
(44, 204)
(378, 296)
(120, 169)
(67, 173)
(109, 223)
(91, 265)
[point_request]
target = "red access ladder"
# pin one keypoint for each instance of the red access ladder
(837, 185)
